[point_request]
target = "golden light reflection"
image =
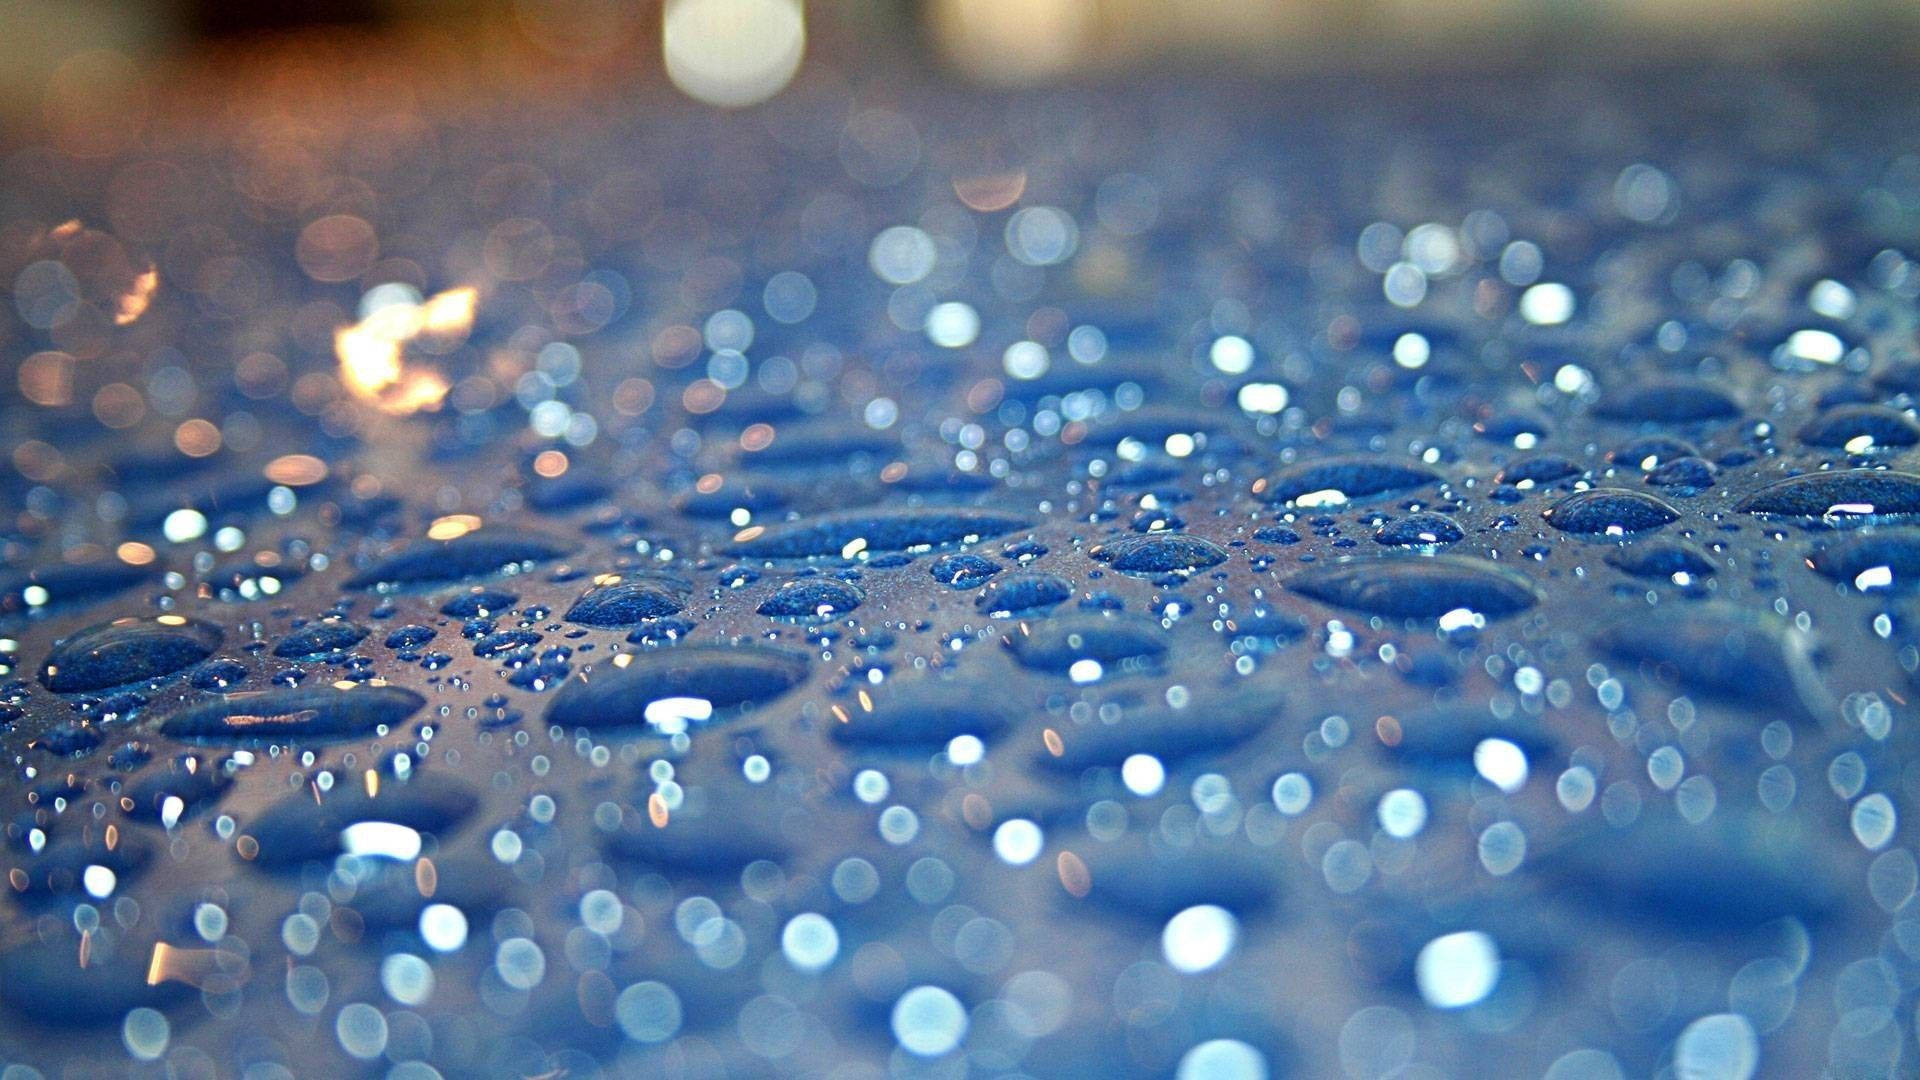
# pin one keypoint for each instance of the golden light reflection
(134, 553)
(1014, 43)
(453, 526)
(134, 302)
(198, 438)
(296, 470)
(373, 351)
(206, 969)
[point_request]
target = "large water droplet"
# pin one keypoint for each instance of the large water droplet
(927, 714)
(880, 530)
(302, 713)
(622, 692)
(1838, 499)
(812, 598)
(301, 828)
(1844, 426)
(1609, 512)
(1871, 562)
(1669, 401)
(323, 637)
(476, 554)
(1720, 650)
(617, 601)
(1059, 644)
(1340, 479)
(128, 651)
(1417, 587)
(1025, 591)
(1160, 552)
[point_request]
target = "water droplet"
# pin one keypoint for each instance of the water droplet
(304, 713)
(618, 692)
(1845, 425)
(963, 570)
(1838, 499)
(616, 601)
(896, 530)
(1668, 401)
(1417, 587)
(1419, 530)
(1609, 512)
(1661, 558)
(323, 637)
(475, 554)
(128, 651)
(1341, 479)
(1058, 644)
(1160, 552)
(1023, 591)
(812, 598)
(1871, 561)
(1720, 650)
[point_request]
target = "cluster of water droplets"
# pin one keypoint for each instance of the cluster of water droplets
(841, 625)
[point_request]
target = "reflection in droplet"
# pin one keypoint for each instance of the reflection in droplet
(1457, 970)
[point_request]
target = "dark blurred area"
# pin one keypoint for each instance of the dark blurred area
(1002, 42)
(212, 19)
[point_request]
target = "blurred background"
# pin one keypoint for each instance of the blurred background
(81, 62)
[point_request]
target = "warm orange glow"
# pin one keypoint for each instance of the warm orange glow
(134, 553)
(657, 810)
(449, 313)
(756, 437)
(1073, 875)
(296, 470)
(372, 352)
(452, 526)
(987, 192)
(551, 463)
(46, 378)
(197, 438)
(134, 302)
(204, 968)
(1015, 44)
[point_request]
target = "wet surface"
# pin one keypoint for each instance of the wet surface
(1064, 584)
